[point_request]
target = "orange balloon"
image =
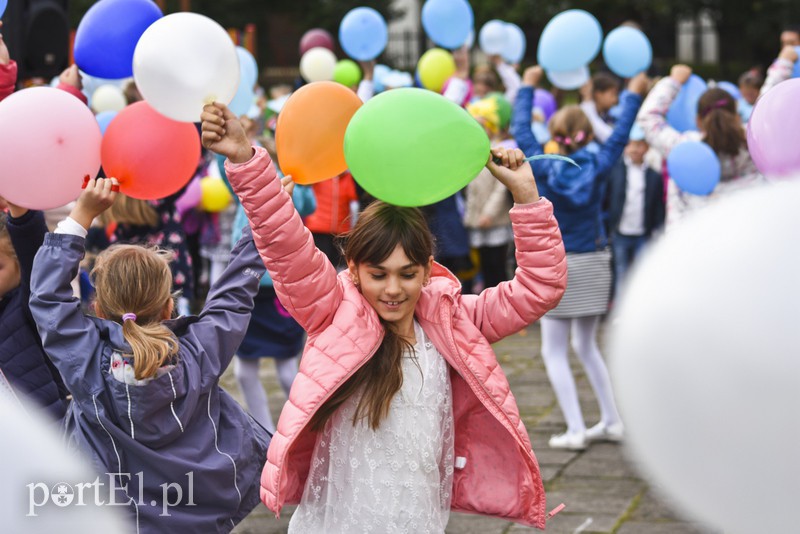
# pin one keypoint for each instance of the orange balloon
(309, 135)
(151, 155)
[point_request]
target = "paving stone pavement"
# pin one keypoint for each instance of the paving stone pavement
(600, 487)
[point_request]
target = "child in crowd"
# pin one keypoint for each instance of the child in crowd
(604, 93)
(22, 358)
(635, 204)
(400, 410)
(577, 194)
(147, 408)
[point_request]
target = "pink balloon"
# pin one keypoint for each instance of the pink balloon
(49, 140)
(191, 196)
(774, 128)
(314, 38)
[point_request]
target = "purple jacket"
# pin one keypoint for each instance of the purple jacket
(181, 422)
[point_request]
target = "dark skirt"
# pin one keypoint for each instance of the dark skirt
(272, 332)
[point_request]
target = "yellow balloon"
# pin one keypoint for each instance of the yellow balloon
(435, 67)
(215, 194)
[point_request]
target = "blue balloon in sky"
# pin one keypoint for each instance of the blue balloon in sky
(104, 119)
(248, 68)
(108, 33)
(447, 22)
(627, 52)
(570, 41)
(363, 34)
(695, 167)
(516, 44)
(682, 114)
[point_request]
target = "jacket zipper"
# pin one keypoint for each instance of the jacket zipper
(327, 396)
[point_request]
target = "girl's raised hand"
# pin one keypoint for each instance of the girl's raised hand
(515, 173)
(288, 184)
(223, 133)
(98, 195)
(680, 73)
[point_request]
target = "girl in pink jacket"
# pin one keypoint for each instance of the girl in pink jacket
(400, 411)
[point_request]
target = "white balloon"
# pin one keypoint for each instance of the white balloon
(569, 79)
(184, 61)
(493, 37)
(705, 361)
(108, 98)
(317, 65)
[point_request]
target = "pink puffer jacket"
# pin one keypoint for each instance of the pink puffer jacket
(501, 476)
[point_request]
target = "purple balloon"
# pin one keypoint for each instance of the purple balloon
(314, 38)
(545, 101)
(774, 128)
(191, 196)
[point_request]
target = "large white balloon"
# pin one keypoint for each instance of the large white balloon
(317, 65)
(706, 363)
(183, 62)
(108, 98)
(569, 79)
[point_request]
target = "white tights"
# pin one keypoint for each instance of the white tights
(555, 337)
(246, 372)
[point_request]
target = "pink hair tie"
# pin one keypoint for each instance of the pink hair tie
(580, 136)
(128, 317)
(719, 104)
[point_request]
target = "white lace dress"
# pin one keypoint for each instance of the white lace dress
(397, 479)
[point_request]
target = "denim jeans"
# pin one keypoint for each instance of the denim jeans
(625, 249)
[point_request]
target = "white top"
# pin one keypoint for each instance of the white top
(602, 130)
(397, 479)
(632, 221)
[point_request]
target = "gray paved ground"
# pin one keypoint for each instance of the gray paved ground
(601, 489)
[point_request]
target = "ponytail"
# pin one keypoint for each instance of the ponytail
(723, 130)
(152, 345)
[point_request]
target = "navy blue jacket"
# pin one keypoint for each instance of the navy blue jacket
(22, 357)
(576, 194)
(178, 423)
(654, 208)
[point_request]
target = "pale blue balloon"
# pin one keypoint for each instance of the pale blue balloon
(3, 5)
(493, 37)
(447, 22)
(377, 77)
(682, 114)
(242, 100)
(570, 40)
(796, 70)
(731, 89)
(516, 44)
(694, 167)
(104, 119)
(248, 68)
(627, 52)
(571, 79)
(363, 34)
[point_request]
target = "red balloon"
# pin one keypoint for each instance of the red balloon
(151, 155)
(314, 38)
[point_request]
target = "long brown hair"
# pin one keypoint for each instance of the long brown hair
(718, 119)
(128, 210)
(378, 231)
(134, 279)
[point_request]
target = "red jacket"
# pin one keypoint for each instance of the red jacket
(333, 205)
(8, 79)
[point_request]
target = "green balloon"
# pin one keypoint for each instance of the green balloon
(503, 109)
(347, 72)
(413, 147)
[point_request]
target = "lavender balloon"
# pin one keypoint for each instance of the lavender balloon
(544, 100)
(774, 128)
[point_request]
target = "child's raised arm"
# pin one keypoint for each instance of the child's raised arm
(521, 121)
(615, 145)
(541, 275)
(303, 278)
(68, 336)
(653, 114)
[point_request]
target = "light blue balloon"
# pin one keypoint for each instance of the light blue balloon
(447, 22)
(627, 52)
(470, 38)
(571, 79)
(570, 40)
(242, 100)
(363, 34)
(104, 119)
(493, 37)
(731, 89)
(516, 44)
(682, 114)
(377, 77)
(248, 68)
(3, 5)
(695, 167)
(796, 70)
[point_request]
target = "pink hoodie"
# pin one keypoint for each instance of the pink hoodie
(501, 476)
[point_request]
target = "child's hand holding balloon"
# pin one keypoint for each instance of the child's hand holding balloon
(515, 173)
(5, 58)
(680, 73)
(789, 53)
(640, 83)
(223, 133)
(97, 196)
